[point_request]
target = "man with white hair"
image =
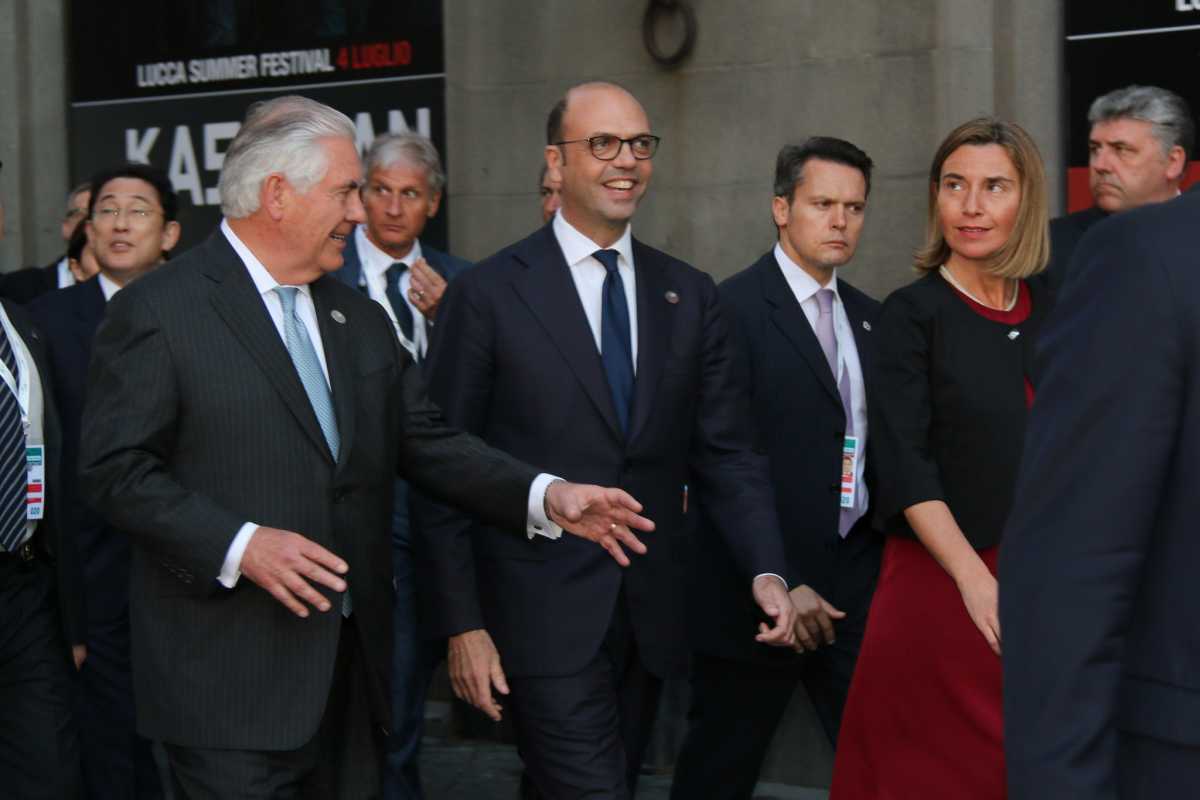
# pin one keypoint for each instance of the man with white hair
(1140, 140)
(387, 261)
(246, 413)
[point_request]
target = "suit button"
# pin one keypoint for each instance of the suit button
(839, 435)
(339, 495)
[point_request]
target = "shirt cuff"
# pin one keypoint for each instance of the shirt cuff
(537, 523)
(773, 575)
(231, 570)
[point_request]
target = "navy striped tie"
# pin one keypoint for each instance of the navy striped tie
(13, 475)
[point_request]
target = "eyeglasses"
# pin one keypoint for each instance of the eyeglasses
(137, 215)
(607, 147)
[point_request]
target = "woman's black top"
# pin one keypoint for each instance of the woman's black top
(948, 413)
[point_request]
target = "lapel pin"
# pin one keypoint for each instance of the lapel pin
(338, 317)
(866, 325)
(672, 296)
(1013, 334)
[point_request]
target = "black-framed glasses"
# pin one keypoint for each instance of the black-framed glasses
(607, 147)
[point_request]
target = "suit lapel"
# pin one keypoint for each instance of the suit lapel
(37, 351)
(549, 292)
(789, 318)
(862, 333)
(237, 301)
(337, 341)
(654, 317)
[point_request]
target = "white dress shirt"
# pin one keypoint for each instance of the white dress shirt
(537, 522)
(374, 265)
(27, 385)
(805, 288)
(63, 274)
(108, 287)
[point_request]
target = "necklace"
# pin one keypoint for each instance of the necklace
(949, 276)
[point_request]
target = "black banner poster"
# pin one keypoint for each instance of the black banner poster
(1115, 43)
(168, 83)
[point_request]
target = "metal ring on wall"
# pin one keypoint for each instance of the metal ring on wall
(659, 10)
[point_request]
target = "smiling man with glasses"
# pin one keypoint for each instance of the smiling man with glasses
(131, 226)
(584, 349)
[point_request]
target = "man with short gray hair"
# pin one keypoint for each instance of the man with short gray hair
(1139, 144)
(387, 261)
(245, 415)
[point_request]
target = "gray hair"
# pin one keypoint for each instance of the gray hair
(279, 136)
(1168, 114)
(412, 148)
(79, 189)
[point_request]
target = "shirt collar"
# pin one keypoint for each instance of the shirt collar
(376, 261)
(800, 282)
(258, 273)
(576, 247)
(108, 286)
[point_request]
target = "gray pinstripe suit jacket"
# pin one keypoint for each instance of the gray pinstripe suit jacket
(197, 422)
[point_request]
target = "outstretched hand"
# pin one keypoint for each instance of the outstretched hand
(601, 515)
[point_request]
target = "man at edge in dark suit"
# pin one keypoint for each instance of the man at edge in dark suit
(131, 225)
(386, 260)
(603, 359)
(246, 414)
(1098, 590)
(785, 310)
(41, 602)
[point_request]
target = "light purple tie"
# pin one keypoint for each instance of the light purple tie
(828, 340)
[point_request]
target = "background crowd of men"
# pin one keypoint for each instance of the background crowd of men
(271, 504)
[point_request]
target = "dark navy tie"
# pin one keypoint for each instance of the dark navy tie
(13, 477)
(403, 313)
(616, 351)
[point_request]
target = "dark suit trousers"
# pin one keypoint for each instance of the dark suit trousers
(737, 705)
(413, 662)
(117, 763)
(585, 735)
(341, 762)
(1150, 769)
(39, 746)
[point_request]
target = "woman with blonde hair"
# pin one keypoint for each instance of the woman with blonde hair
(923, 718)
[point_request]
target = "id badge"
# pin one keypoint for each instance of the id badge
(35, 491)
(849, 470)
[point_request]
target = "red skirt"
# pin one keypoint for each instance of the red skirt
(924, 716)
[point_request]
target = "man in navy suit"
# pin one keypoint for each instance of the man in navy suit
(132, 225)
(1099, 565)
(807, 405)
(585, 349)
(386, 259)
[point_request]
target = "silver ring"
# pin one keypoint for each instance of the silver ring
(420, 295)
